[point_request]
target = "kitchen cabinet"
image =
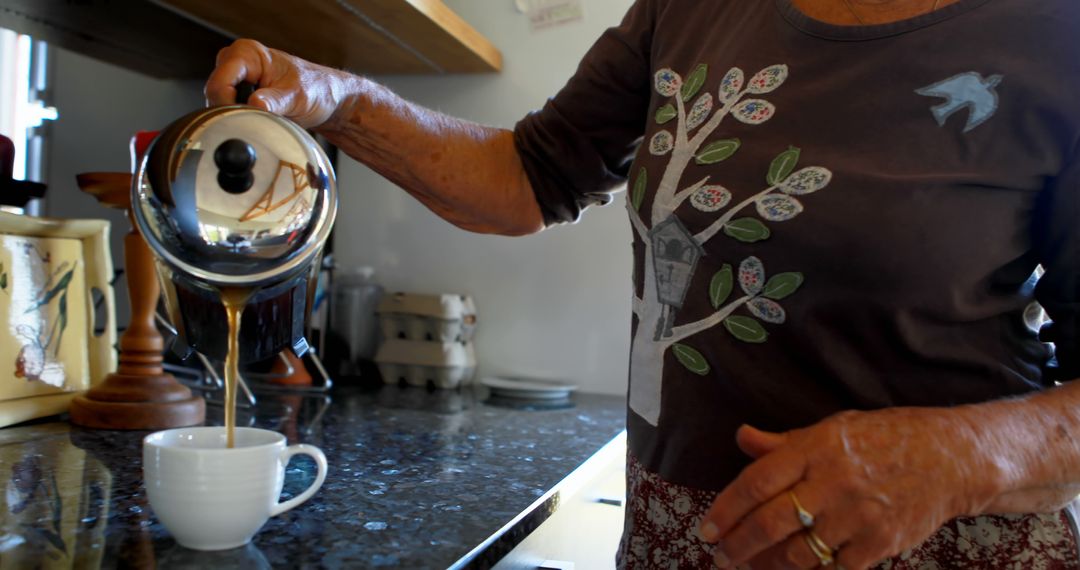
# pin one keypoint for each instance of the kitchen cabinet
(180, 38)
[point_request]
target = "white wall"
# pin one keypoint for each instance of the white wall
(101, 106)
(553, 305)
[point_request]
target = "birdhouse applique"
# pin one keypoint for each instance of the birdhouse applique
(675, 256)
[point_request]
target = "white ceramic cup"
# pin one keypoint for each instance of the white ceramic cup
(213, 498)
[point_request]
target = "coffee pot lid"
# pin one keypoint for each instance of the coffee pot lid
(235, 196)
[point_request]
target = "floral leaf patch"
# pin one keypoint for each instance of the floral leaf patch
(710, 198)
(806, 180)
(751, 275)
(731, 84)
(661, 143)
(767, 310)
(667, 82)
(778, 207)
(699, 112)
(767, 79)
(753, 111)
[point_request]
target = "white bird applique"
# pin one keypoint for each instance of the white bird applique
(968, 89)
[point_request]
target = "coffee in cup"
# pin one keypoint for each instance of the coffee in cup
(212, 497)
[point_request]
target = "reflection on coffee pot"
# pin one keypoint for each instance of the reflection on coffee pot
(235, 198)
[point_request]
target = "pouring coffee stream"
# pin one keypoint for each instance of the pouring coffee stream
(236, 204)
(234, 299)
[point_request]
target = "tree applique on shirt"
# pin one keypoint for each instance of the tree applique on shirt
(672, 252)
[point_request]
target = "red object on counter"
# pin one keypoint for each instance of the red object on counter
(140, 143)
(7, 158)
(15, 192)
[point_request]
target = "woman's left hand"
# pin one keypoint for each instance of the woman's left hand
(876, 483)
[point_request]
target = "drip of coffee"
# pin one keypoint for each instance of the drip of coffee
(234, 299)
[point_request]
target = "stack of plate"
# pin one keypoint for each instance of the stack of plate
(528, 389)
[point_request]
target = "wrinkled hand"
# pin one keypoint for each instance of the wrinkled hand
(289, 86)
(876, 483)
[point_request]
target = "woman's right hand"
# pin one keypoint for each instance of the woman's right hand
(302, 91)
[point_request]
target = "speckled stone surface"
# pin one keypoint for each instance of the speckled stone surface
(417, 479)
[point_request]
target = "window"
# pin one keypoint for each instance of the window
(23, 83)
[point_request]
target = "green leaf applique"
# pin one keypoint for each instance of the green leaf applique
(748, 230)
(691, 359)
(665, 114)
(746, 329)
(638, 194)
(782, 284)
(717, 151)
(782, 166)
(694, 81)
(721, 285)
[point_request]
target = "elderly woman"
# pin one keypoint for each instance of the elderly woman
(839, 208)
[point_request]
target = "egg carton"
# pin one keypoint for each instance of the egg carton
(432, 318)
(419, 363)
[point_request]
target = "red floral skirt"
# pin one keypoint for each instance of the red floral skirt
(662, 520)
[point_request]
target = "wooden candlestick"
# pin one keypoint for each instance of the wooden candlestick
(140, 394)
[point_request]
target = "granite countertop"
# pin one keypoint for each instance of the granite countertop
(418, 479)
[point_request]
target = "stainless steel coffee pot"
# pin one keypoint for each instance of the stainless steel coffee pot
(236, 197)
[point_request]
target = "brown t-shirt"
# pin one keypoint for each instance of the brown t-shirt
(825, 217)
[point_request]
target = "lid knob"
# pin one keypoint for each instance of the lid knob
(235, 159)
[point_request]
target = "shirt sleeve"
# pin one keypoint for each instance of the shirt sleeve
(578, 148)
(1057, 244)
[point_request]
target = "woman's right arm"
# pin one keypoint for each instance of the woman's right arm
(469, 174)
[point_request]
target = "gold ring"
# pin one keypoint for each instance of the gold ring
(805, 518)
(825, 555)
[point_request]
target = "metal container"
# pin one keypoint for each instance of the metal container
(235, 197)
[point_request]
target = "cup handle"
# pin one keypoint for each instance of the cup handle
(320, 460)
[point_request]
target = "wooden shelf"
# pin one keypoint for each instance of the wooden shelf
(363, 36)
(180, 38)
(134, 34)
